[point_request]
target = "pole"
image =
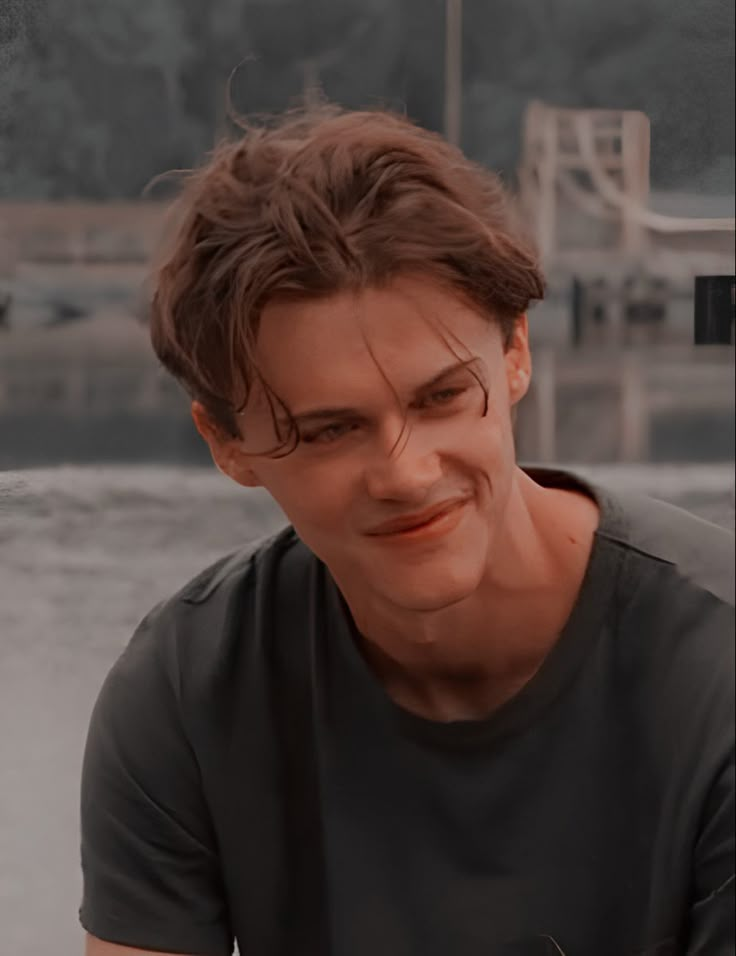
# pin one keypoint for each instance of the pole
(311, 83)
(453, 69)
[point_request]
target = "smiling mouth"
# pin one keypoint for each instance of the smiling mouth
(438, 522)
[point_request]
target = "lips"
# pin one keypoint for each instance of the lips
(416, 520)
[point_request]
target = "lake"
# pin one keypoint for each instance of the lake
(84, 553)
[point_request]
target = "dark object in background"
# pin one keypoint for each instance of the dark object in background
(63, 312)
(645, 300)
(609, 313)
(6, 301)
(715, 304)
(590, 305)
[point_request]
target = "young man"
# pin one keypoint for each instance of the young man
(457, 706)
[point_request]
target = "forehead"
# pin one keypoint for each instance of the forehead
(355, 342)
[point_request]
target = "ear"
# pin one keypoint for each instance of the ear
(227, 453)
(518, 361)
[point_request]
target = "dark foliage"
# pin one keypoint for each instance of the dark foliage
(98, 96)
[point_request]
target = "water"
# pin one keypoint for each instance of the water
(84, 553)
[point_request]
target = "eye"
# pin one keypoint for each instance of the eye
(443, 396)
(327, 434)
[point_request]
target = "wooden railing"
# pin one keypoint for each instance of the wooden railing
(80, 232)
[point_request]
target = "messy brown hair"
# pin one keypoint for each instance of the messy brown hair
(317, 202)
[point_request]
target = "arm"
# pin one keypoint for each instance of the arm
(711, 926)
(151, 869)
(98, 947)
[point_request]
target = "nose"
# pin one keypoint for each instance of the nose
(402, 470)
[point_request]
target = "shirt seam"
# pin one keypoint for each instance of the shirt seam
(628, 548)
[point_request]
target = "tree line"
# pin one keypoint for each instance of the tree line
(99, 96)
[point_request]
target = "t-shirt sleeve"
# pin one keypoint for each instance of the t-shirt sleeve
(712, 930)
(151, 875)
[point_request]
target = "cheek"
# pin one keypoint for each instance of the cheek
(311, 494)
(498, 423)
(485, 455)
(487, 438)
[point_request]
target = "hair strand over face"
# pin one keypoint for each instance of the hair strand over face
(318, 202)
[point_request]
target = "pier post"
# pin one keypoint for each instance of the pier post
(633, 411)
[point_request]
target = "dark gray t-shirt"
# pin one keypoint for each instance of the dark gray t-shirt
(247, 777)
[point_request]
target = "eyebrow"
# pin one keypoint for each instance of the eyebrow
(319, 414)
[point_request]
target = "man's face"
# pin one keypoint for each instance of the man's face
(399, 480)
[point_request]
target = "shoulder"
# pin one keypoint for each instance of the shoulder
(695, 552)
(673, 623)
(239, 568)
(220, 618)
(675, 594)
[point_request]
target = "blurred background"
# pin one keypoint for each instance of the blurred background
(612, 125)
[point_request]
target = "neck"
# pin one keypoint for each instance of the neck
(464, 660)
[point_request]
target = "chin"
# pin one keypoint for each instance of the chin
(425, 592)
